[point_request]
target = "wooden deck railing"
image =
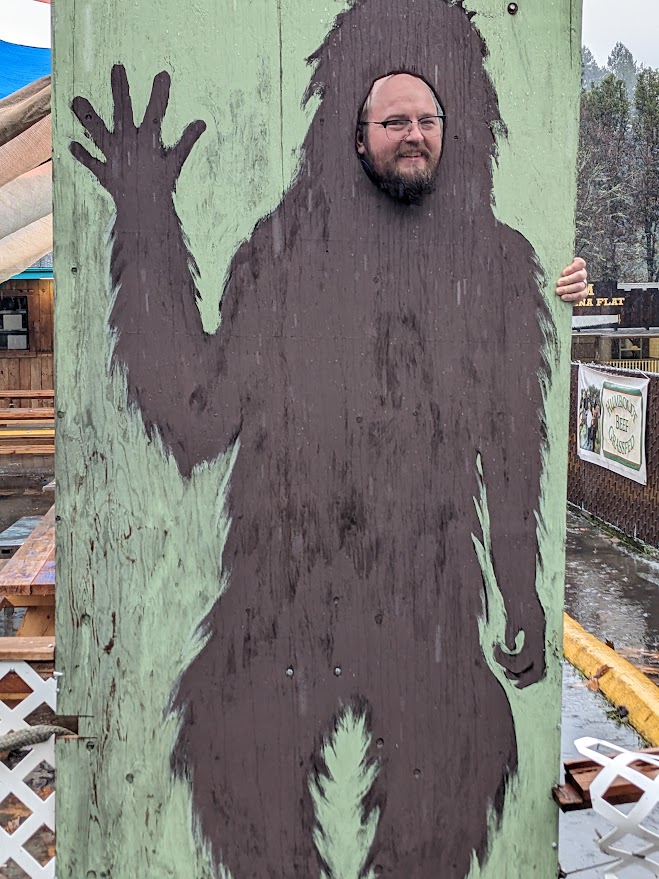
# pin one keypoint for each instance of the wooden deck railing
(642, 365)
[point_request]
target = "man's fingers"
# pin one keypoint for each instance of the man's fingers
(123, 106)
(573, 283)
(91, 121)
(155, 111)
(579, 276)
(577, 265)
(573, 292)
(96, 166)
(188, 139)
(577, 287)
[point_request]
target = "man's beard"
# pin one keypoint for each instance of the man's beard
(407, 189)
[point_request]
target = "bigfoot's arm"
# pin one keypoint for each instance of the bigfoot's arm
(513, 435)
(512, 482)
(174, 369)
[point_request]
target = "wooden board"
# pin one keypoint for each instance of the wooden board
(311, 452)
(27, 649)
(26, 414)
(580, 774)
(26, 449)
(24, 394)
(38, 621)
(36, 432)
(28, 601)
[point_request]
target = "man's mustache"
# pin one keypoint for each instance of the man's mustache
(417, 151)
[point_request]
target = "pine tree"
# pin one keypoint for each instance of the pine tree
(645, 132)
(622, 65)
(604, 188)
(591, 72)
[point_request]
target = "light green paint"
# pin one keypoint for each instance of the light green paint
(344, 834)
(156, 540)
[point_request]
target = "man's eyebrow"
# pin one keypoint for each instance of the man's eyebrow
(392, 116)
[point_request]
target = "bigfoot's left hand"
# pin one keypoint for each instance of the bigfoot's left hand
(573, 283)
(526, 665)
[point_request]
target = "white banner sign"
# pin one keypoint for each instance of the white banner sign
(611, 419)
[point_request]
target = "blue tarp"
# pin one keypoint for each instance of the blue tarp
(20, 65)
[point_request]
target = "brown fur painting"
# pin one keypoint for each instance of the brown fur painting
(370, 352)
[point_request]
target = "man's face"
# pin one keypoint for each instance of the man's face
(405, 168)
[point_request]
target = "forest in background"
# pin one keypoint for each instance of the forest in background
(618, 169)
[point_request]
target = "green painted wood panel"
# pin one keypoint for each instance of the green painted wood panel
(140, 545)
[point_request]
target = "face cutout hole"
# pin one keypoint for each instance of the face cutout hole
(400, 134)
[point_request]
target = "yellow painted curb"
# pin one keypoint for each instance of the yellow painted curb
(622, 684)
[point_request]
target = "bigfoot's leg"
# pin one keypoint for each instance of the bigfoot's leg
(441, 787)
(246, 745)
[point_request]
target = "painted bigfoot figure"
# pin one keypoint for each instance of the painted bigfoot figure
(369, 351)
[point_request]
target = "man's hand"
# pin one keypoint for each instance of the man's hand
(573, 283)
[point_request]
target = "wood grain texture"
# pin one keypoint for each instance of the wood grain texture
(131, 523)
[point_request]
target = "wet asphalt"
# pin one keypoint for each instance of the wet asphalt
(613, 591)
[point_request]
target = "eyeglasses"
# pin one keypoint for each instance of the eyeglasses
(398, 129)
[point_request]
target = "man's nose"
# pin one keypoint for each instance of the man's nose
(414, 134)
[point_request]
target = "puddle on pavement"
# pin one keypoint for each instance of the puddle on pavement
(613, 592)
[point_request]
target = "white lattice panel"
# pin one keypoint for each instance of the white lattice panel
(631, 841)
(12, 781)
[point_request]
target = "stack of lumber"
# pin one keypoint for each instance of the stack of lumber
(25, 431)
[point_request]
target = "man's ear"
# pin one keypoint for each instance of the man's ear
(359, 141)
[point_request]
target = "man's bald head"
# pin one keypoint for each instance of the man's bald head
(392, 83)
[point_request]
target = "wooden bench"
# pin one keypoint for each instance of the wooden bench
(27, 437)
(29, 430)
(28, 580)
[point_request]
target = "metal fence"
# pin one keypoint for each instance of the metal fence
(630, 507)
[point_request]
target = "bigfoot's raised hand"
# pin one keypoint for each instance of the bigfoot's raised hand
(173, 367)
(136, 161)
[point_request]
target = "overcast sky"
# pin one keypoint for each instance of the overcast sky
(632, 22)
